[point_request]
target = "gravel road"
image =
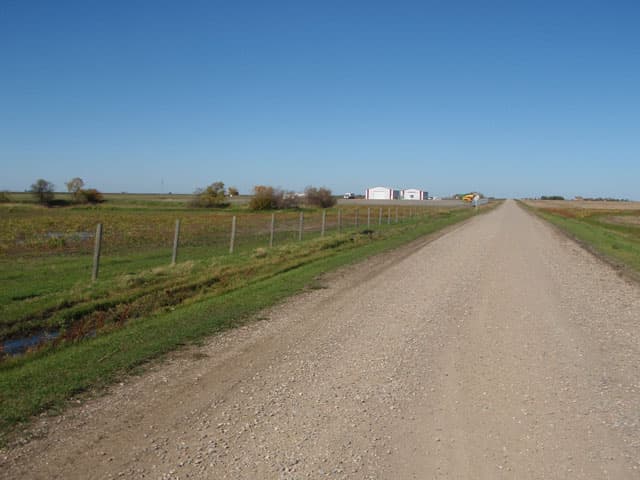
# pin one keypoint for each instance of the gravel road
(499, 350)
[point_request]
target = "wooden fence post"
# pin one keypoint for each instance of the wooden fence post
(396, 214)
(176, 238)
(272, 229)
(389, 216)
(301, 226)
(233, 234)
(339, 220)
(356, 219)
(380, 216)
(97, 246)
(368, 217)
(324, 222)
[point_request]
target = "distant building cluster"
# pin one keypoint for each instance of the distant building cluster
(387, 193)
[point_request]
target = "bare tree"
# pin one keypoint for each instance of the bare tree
(74, 187)
(43, 191)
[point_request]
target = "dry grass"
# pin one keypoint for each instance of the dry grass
(582, 204)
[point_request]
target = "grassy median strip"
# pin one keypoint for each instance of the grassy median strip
(610, 233)
(45, 379)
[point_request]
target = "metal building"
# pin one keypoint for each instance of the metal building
(414, 194)
(382, 193)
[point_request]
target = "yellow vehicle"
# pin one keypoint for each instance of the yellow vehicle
(468, 197)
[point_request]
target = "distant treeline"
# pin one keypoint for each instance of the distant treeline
(587, 199)
(605, 199)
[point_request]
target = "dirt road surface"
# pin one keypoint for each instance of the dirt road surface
(500, 350)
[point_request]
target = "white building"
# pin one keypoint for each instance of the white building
(382, 193)
(414, 194)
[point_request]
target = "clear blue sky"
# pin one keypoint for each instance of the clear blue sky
(511, 98)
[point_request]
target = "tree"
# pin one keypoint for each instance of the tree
(43, 191)
(211, 196)
(233, 192)
(74, 187)
(319, 197)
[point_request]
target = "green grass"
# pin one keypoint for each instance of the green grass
(619, 243)
(45, 379)
(48, 286)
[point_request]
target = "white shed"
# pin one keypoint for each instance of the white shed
(414, 194)
(382, 193)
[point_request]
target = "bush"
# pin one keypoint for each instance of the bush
(211, 196)
(264, 198)
(319, 197)
(552, 197)
(288, 200)
(90, 195)
(268, 198)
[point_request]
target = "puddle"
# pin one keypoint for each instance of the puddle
(21, 345)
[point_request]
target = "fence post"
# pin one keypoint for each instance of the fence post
(380, 216)
(368, 217)
(324, 222)
(176, 237)
(233, 234)
(396, 214)
(301, 226)
(356, 219)
(339, 220)
(389, 216)
(272, 229)
(96, 253)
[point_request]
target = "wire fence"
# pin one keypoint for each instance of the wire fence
(179, 236)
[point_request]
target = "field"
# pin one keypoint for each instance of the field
(610, 229)
(46, 255)
(141, 306)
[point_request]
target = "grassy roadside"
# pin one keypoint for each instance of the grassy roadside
(616, 243)
(46, 379)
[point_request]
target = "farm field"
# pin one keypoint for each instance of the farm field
(129, 200)
(610, 229)
(46, 254)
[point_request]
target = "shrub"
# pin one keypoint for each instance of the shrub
(288, 200)
(264, 198)
(319, 197)
(211, 196)
(268, 198)
(90, 195)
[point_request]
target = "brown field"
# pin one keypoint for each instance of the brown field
(583, 204)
